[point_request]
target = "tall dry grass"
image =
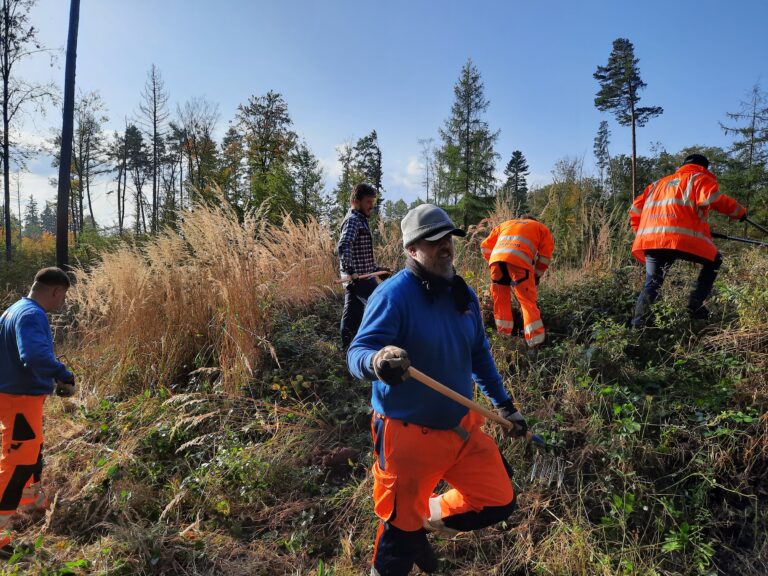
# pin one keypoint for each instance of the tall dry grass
(146, 314)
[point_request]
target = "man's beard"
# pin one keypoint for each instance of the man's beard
(438, 266)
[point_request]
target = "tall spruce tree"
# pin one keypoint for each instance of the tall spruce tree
(48, 218)
(515, 188)
(269, 141)
(467, 154)
(32, 227)
(367, 160)
(620, 85)
(307, 176)
(749, 150)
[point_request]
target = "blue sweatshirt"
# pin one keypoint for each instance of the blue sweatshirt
(28, 364)
(445, 344)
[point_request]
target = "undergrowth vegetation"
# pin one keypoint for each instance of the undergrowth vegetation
(217, 430)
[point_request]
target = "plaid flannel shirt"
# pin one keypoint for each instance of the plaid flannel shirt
(355, 247)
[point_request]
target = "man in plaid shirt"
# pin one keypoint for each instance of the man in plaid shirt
(355, 249)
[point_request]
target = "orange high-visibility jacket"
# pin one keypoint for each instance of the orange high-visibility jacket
(672, 213)
(522, 243)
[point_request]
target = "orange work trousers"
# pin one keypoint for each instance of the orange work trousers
(21, 463)
(505, 278)
(410, 460)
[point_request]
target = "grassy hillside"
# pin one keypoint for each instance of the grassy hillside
(217, 430)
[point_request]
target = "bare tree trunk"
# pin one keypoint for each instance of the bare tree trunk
(634, 155)
(6, 123)
(88, 181)
(62, 247)
(119, 207)
(18, 202)
(181, 180)
(121, 201)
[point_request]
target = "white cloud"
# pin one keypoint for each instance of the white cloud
(331, 168)
(32, 140)
(408, 179)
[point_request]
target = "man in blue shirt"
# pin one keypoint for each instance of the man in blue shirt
(28, 369)
(355, 249)
(427, 316)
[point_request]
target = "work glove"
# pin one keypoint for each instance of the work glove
(508, 411)
(391, 365)
(65, 388)
(743, 218)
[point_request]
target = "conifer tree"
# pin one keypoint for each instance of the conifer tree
(48, 218)
(600, 148)
(515, 188)
(307, 178)
(620, 86)
(269, 141)
(32, 227)
(467, 154)
(367, 161)
(750, 147)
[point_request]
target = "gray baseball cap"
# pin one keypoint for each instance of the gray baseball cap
(427, 222)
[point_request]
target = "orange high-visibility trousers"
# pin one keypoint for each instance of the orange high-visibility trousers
(410, 460)
(524, 284)
(21, 422)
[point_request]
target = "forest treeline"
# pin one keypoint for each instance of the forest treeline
(163, 159)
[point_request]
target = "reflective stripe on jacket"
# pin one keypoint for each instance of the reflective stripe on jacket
(672, 213)
(523, 243)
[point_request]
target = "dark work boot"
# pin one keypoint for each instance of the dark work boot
(697, 310)
(426, 559)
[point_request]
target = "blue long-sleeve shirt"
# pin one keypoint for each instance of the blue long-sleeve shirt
(449, 346)
(28, 364)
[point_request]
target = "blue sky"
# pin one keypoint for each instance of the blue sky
(347, 67)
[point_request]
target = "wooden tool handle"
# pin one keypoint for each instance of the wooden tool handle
(363, 277)
(455, 396)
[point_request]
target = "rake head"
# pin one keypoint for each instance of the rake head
(546, 468)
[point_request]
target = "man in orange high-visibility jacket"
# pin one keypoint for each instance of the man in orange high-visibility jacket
(670, 223)
(518, 253)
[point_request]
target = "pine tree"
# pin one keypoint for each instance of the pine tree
(467, 155)
(620, 84)
(515, 189)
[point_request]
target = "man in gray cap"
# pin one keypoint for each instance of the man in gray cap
(426, 315)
